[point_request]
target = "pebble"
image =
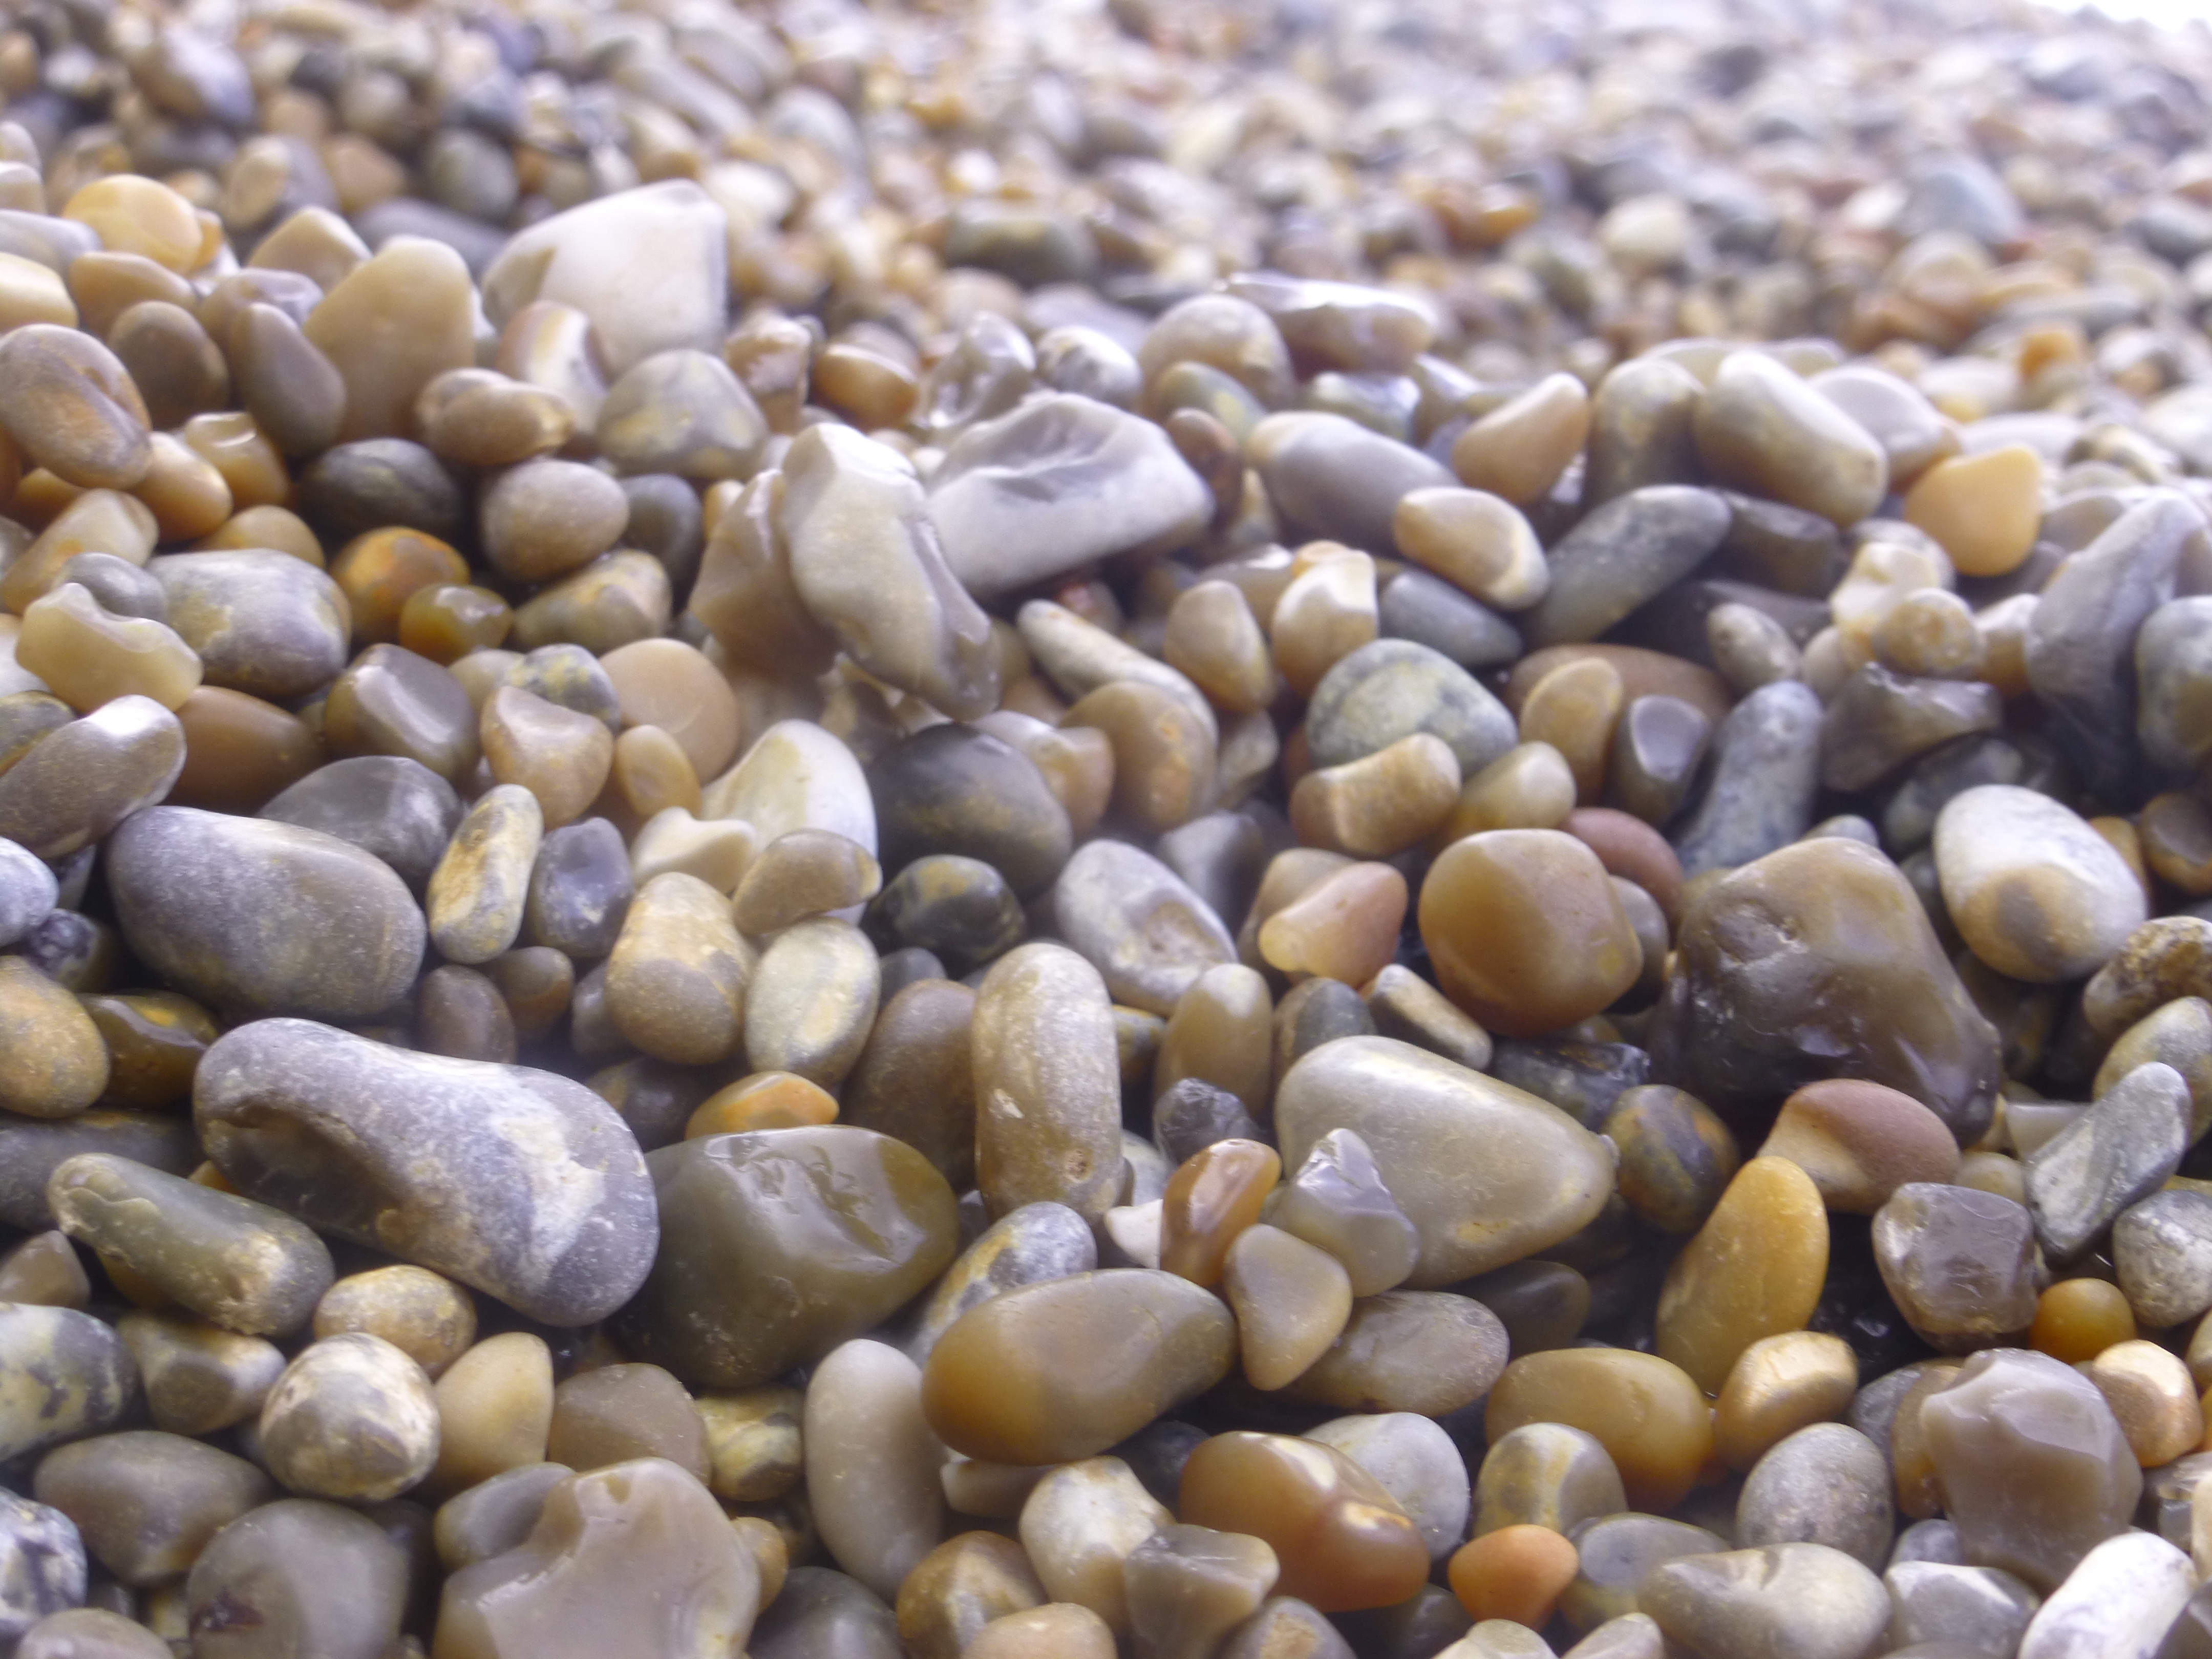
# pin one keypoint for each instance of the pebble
(84, 778)
(1675, 1157)
(53, 1063)
(871, 1464)
(1754, 1269)
(1779, 1385)
(1795, 1598)
(1977, 1607)
(1526, 930)
(42, 1565)
(1391, 689)
(1190, 1586)
(311, 1572)
(1766, 775)
(637, 1545)
(2121, 1598)
(1147, 934)
(1408, 1351)
(2120, 1150)
(1959, 1264)
(1617, 1553)
(2162, 1256)
(864, 1221)
(146, 1504)
(1825, 1484)
(2035, 1470)
(1541, 1176)
(1646, 1413)
(1862, 989)
(1017, 1379)
(499, 1207)
(2037, 893)
(1627, 551)
(1860, 1142)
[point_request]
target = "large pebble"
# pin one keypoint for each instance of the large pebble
(1763, 428)
(1526, 930)
(1753, 1270)
(520, 1183)
(873, 1464)
(64, 1375)
(1958, 1264)
(298, 1576)
(1148, 934)
(260, 918)
(1800, 1599)
(42, 1565)
(2038, 894)
(1056, 484)
(1631, 549)
(1817, 961)
(262, 622)
(2118, 1152)
(1652, 1419)
(390, 327)
(1487, 1174)
(1051, 1372)
(780, 1244)
(2122, 1599)
(1048, 1099)
(83, 779)
(2034, 1470)
(1826, 1484)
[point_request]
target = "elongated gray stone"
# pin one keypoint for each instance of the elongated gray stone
(2115, 1154)
(1631, 549)
(1764, 778)
(526, 1185)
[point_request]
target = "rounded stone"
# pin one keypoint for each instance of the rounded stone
(352, 1417)
(1649, 1415)
(2039, 895)
(1526, 930)
(257, 918)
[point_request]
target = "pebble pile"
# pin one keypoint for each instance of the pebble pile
(1182, 829)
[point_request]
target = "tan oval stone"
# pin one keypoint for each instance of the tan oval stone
(1754, 1269)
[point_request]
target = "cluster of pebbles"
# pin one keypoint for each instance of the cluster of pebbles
(1218, 829)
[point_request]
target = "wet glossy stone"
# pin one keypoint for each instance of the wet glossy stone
(2153, 1395)
(297, 1115)
(425, 1315)
(863, 1221)
(390, 327)
(494, 1410)
(1409, 1107)
(1336, 1200)
(192, 888)
(2118, 1152)
(1048, 1372)
(2038, 894)
(638, 1545)
(1627, 551)
(1798, 1598)
(1979, 1607)
(1959, 1264)
(960, 1586)
(1879, 720)
(1048, 1119)
(1080, 1524)
(1407, 1351)
(1340, 1540)
(64, 1375)
(297, 1575)
(1676, 1157)
(2034, 1469)
(1290, 1299)
(391, 701)
(1795, 994)
(1554, 945)
(84, 778)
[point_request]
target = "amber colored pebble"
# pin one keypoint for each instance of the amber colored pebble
(2077, 1319)
(1754, 1269)
(1574, 708)
(1214, 1194)
(1984, 510)
(186, 494)
(140, 216)
(2149, 1390)
(562, 757)
(1912, 1466)
(1518, 1572)
(1213, 638)
(106, 284)
(1165, 755)
(765, 1100)
(1647, 1413)
(241, 752)
(1327, 612)
(89, 656)
(1529, 787)
(2175, 831)
(1341, 1540)
(1380, 803)
(381, 571)
(1518, 450)
(241, 451)
(1778, 1386)
(277, 527)
(1344, 926)
(447, 621)
(155, 1041)
(960, 1586)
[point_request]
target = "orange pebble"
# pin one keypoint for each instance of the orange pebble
(766, 1100)
(1518, 1572)
(2077, 1319)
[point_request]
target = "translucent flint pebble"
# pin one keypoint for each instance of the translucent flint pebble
(1059, 483)
(1819, 961)
(1487, 1174)
(1799, 1599)
(300, 1575)
(795, 776)
(873, 1464)
(1148, 934)
(522, 1184)
(261, 918)
(2122, 1598)
(780, 1244)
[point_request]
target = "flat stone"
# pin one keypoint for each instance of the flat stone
(2118, 1152)
(1625, 552)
